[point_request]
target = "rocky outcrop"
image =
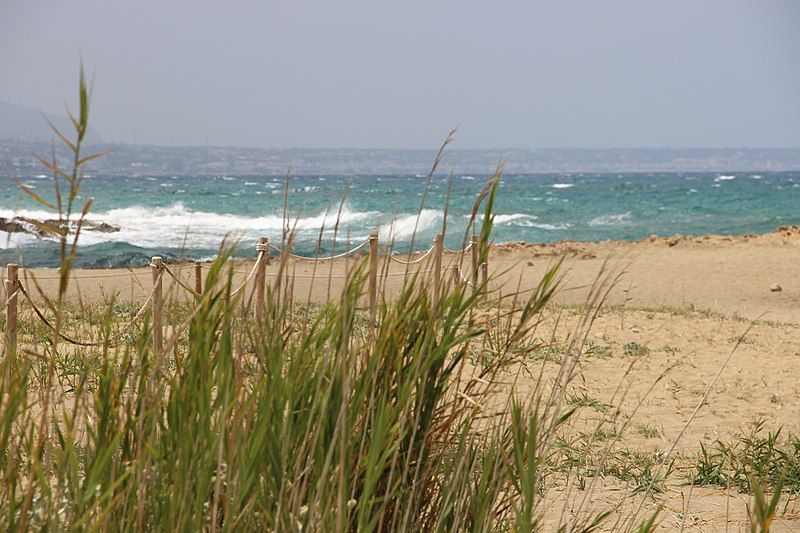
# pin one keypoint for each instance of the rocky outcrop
(45, 228)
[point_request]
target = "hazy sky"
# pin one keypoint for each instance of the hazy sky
(528, 74)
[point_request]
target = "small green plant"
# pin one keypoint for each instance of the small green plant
(582, 399)
(641, 470)
(668, 348)
(595, 349)
(758, 455)
(551, 353)
(648, 431)
(635, 349)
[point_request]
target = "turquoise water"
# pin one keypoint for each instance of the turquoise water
(188, 216)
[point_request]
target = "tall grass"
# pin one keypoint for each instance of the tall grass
(315, 418)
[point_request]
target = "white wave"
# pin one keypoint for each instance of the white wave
(692, 191)
(516, 219)
(250, 183)
(756, 176)
(562, 185)
(468, 178)
(552, 227)
(621, 219)
(37, 214)
(12, 240)
(176, 226)
(724, 177)
(228, 178)
(403, 228)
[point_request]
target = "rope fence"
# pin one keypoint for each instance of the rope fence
(155, 301)
(92, 276)
(327, 258)
(419, 259)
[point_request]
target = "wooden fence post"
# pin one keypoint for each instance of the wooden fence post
(11, 309)
(156, 265)
(198, 277)
(485, 278)
(437, 271)
(475, 257)
(373, 277)
(261, 277)
(457, 275)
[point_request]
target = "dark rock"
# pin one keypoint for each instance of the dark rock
(44, 228)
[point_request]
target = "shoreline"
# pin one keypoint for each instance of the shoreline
(789, 231)
(724, 274)
(563, 246)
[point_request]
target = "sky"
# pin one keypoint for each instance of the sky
(508, 74)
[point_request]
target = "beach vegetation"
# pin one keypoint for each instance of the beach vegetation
(321, 418)
(756, 454)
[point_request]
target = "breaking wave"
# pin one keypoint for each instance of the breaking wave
(176, 226)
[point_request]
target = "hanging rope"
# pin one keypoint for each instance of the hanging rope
(392, 274)
(463, 250)
(328, 258)
(69, 339)
(250, 275)
(400, 261)
(12, 295)
(180, 282)
(94, 276)
(465, 280)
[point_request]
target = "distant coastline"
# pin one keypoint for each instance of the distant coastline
(17, 158)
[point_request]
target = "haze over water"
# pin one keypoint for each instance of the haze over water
(188, 216)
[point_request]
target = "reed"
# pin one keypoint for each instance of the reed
(393, 416)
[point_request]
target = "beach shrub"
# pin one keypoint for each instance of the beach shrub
(310, 419)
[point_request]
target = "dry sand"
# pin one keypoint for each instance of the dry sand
(728, 275)
(687, 300)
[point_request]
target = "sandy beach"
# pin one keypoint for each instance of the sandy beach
(679, 306)
(727, 275)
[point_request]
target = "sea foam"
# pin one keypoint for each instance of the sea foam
(621, 219)
(175, 226)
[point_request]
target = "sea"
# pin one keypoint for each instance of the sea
(192, 216)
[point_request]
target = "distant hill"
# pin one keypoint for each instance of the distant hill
(16, 159)
(28, 123)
